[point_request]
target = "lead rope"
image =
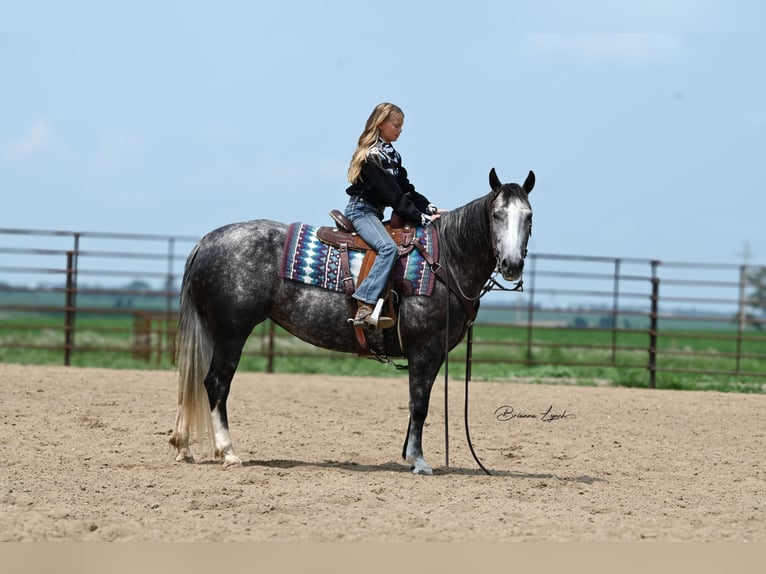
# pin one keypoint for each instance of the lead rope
(468, 355)
(469, 350)
(446, 376)
(490, 285)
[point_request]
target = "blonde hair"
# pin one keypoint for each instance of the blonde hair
(382, 113)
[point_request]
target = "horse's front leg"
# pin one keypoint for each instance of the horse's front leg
(421, 383)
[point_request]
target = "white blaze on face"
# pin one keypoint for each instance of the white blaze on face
(511, 233)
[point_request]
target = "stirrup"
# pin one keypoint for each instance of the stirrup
(372, 318)
(376, 320)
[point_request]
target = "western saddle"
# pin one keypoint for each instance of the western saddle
(344, 237)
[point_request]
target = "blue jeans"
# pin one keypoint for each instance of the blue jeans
(367, 220)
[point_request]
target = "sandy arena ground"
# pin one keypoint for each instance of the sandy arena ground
(85, 458)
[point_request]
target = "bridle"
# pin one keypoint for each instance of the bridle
(491, 284)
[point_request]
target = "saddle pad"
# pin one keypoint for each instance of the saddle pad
(308, 260)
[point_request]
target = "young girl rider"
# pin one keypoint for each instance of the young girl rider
(378, 180)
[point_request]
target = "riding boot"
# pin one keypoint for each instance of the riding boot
(365, 314)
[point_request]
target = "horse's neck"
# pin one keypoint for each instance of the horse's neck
(467, 244)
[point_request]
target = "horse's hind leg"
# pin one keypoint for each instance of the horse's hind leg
(180, 438)
(218, 383)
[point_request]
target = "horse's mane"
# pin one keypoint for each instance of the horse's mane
(465, 229)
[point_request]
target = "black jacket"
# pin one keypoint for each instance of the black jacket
(383, 182)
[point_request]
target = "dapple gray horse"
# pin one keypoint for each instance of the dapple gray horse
(232, 282)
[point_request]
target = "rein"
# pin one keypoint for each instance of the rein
(443, 272)
(471, 307)
(472, 310)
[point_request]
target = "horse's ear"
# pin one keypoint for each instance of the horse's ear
(529, 183)
(494, 181)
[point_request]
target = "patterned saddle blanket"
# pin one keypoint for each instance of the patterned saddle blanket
(309, 260)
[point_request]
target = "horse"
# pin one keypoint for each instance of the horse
(232, 282)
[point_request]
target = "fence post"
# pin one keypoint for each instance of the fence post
(615, 308)
(69, 309)
(531, 310)
(742, 313)
(653, 323)
(167, 335)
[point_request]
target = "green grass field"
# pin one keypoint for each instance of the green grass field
(552, 355)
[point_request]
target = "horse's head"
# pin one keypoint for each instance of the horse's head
(511, 221)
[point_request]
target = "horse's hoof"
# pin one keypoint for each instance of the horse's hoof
(185, 457)
(420, 467)
(231, 461)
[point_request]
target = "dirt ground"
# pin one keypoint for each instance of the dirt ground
(85, 458)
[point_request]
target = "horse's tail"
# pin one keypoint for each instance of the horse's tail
(195, 352)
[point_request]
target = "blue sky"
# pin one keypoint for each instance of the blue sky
(645, 122)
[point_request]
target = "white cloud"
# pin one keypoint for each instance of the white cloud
(633, 49)
(37, 138)
(687, 16)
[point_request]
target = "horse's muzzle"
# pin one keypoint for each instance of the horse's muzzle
(511, 268)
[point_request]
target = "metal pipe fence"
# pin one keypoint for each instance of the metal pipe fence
(67, 295)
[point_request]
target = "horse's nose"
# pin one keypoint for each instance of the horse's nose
(513, 263)
(511, 268)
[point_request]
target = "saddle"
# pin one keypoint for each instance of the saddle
(344, 237)
(344, 234)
